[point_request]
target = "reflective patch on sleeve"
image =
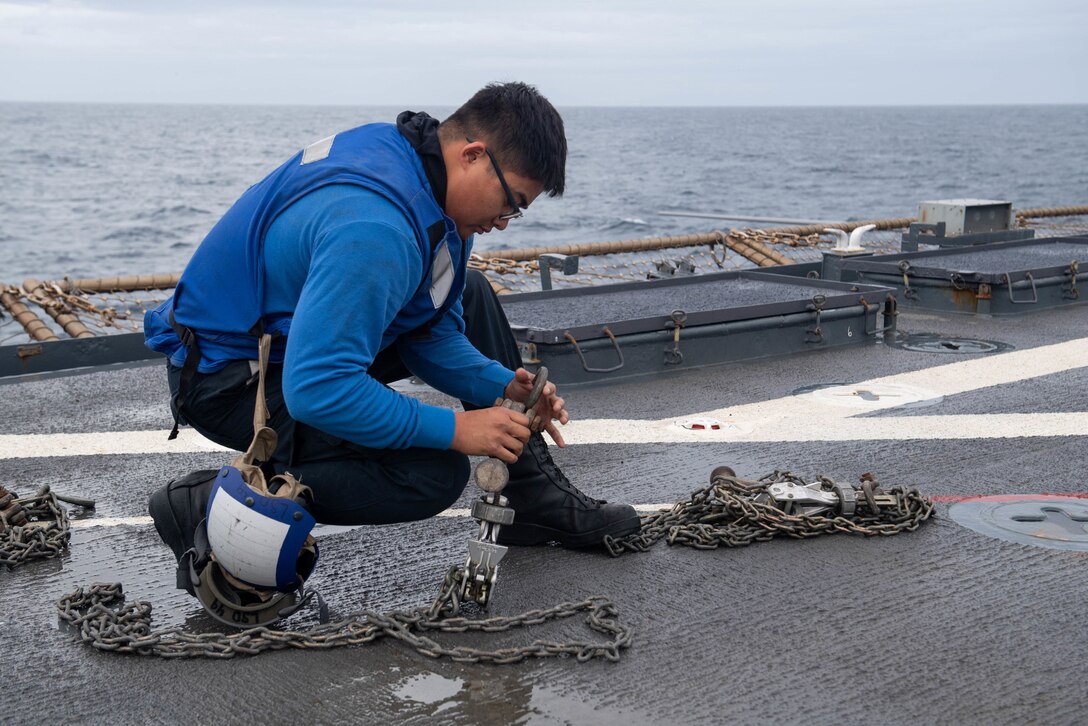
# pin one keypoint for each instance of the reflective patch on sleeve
(441, 275)
(318, 150)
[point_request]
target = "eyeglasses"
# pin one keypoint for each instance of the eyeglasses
(510, 201)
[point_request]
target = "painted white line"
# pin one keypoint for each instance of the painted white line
(321, 530)
(810, 417)
(799, 425)
(24, 446)
(872, 398)
(95, 522)
(789, 418)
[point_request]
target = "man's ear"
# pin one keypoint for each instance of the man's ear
(471, 152)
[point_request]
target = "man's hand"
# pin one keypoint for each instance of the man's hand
(550, 407)
(494, 431)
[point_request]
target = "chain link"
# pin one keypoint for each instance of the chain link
(32, 528)
(106, 622)
(735, 512)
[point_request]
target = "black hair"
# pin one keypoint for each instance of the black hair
(522, 129)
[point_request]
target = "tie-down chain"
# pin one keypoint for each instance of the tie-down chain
(105, 621)
(34, 527)
(733, 512)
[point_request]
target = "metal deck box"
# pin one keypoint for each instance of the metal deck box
(1003, 278)
(963, 223)
(968, 216)
(617, 331)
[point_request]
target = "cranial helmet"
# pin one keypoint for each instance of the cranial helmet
(254, 550)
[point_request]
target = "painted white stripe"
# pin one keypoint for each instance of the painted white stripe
(825, 425)
(109, 442)
(94, 522)
(789, 418)
(321, 530)
(808, 418)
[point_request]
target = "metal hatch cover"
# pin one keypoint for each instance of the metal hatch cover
(1042, 520)
(613, 332)
(1001, 278)
(989, 263)
(637, 307)
(934, 343)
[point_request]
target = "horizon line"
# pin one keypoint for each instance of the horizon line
(558, 105)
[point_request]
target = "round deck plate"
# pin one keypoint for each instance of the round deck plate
(927, 343)
(1043, 520)
(870, 397)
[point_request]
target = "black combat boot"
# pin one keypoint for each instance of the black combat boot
(548, 508)
(179, 507)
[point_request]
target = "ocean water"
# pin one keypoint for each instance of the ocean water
(90, 190)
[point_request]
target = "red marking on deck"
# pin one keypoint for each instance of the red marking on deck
(953, 498)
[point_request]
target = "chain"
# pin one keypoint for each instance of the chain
(501, 265)
(31, 528)
(777, 238)
(106, 622)
(731, 512)
(735, 512)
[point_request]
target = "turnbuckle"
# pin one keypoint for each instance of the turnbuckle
(484, 553)
(492, 510)
(813, 499)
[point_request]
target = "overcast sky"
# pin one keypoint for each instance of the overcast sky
(609, 53)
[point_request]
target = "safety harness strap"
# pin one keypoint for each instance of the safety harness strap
(188, 369)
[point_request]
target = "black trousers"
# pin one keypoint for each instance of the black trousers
(351, 484)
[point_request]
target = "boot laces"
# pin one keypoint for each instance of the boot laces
(548, 465)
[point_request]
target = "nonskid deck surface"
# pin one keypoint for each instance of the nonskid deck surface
(655, 300)
(940, 625)
(995, 260)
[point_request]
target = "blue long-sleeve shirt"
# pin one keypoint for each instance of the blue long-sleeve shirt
(345, 262)
(344, 250)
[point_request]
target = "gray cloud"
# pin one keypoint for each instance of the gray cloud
(686, 52)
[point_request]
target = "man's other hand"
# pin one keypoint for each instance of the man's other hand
(550, 408)
(494, 431)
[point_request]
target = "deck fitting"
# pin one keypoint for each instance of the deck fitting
(1041, 520)
(870, 396)
(928, 343)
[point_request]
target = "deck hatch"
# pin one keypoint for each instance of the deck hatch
(1054, 522)
(929, 343)
(1003, 278)
(614, 331)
